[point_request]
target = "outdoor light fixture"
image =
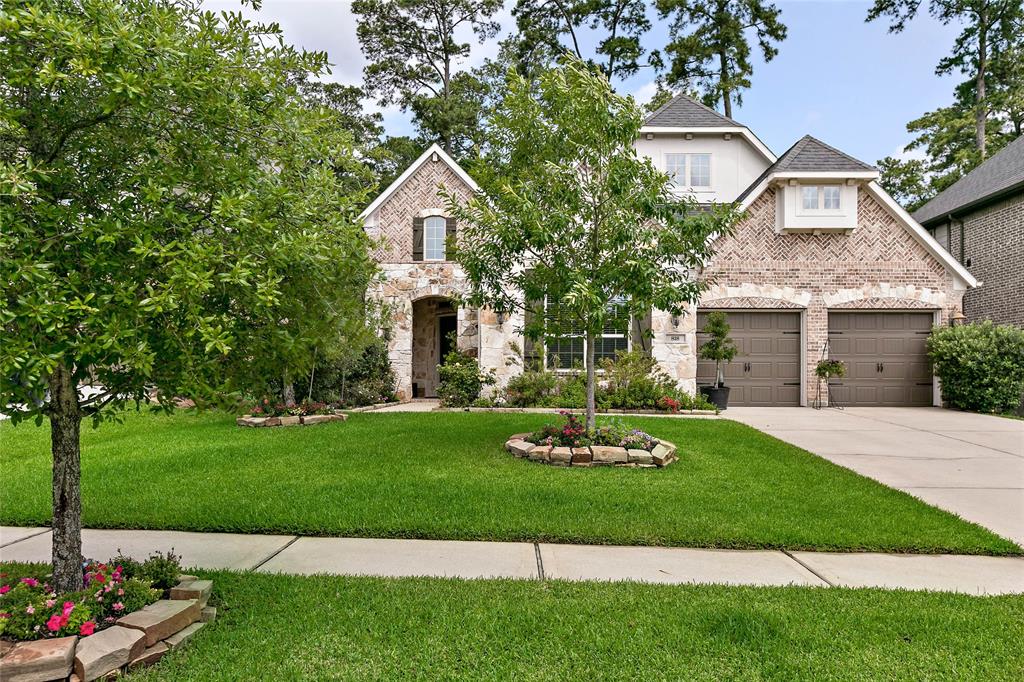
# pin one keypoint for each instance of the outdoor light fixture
(501, 320)
(957, 318)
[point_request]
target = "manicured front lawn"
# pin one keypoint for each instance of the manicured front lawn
(446, 476)
(288, 628)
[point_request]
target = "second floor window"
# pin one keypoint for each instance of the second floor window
(433, 238)
(689, 170)
(815, 197)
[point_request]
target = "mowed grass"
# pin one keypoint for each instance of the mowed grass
(321, 628)
(446, 475)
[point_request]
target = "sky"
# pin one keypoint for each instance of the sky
(849, 83)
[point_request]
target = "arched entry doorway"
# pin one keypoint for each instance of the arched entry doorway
(434, 327)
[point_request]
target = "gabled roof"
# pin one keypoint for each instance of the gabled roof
(685, 112)
(411, 170)
(809, 157)
(1000, 174)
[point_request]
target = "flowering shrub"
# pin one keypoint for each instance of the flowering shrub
(31, 609)
(266, 408)
(573, 434)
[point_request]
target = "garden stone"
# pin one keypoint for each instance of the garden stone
(582, 456)
(311, 419)
(5, 646)
(560, 455)
(107, 650)
(161, 619)
(185, 578)
(149, 656)
(196, 589)
(38, 661)
(338, 417)
(663, 454)
(208, 614)
(519, 448)
(290, 420)
(604, 454)
(251, 421)
(541, 453)
(520, 436)
(180, 638)
(640, 456)
(272, 421)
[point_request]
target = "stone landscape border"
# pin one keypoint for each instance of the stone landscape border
(663, 454)
(548, 410)
(138, 639)
(290, 420)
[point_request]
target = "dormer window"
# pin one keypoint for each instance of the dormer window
(820, 197)
(689, 170)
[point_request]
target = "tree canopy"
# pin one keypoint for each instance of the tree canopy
(572, 215)
(166, 197)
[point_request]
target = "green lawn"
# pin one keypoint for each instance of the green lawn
(445, 475)
(288, 628)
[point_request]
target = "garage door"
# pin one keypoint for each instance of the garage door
(885, 358)
(766, 370)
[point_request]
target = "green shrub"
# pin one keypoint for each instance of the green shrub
(162, 570)
(365, 378)
(980, 365)
(461, 379)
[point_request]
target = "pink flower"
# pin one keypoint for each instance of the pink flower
(31, 582)
(30, 609)
(120, 592)
(88, 627)
(69, 606)
(118, 606)
(55, 623)
(4, 589)
(109, 619)
(50, 603)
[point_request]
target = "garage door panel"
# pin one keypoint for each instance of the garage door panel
(885, 357)
(767, 359)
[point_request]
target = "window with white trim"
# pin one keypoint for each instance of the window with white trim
(820, 197)
(434, 234)
(569, 350)
(689, 170)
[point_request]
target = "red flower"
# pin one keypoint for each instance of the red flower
(56, 622)
(88, 627)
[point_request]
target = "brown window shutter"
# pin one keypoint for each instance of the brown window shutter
(533, 349)
(449, 237)
(642, 338)
(417, 238)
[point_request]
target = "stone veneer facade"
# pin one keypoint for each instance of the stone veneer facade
(877, 266)
(406, 285)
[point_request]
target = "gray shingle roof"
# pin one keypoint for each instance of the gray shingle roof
(1000, 173)
(809, 154)
(685, 112)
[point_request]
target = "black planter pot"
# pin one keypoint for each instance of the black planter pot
(718, 395)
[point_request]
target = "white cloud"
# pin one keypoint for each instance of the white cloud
(645, 92)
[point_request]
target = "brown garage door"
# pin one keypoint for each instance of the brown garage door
(766, 370)
(885, 358)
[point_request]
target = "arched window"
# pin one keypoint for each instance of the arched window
(433, 238)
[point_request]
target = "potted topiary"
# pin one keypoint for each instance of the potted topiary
(720, 348)
(825, 370)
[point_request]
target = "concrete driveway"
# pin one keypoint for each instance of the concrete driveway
(969, 464)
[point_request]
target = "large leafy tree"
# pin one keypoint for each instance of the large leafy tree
(709, 44)
(548, 28)
(165, 193)
(571, 214)
(990, 28)
(413, 51)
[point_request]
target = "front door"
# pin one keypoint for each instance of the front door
(446, 326)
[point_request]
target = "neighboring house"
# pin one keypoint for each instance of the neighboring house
(824, 263)
(980, 221)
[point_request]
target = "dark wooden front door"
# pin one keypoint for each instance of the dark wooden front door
(446, 326)
(885, 357)
(766, 370)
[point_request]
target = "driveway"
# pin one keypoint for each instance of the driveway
(969, 464)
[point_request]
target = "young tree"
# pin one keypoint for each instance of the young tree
(558, 26)
(412, 53)
(161, 184)
(571, 214)
(709, 45)
(989, 27)
(906, 181)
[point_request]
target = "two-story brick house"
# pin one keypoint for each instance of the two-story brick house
(823, 263)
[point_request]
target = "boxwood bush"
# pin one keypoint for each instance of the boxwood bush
(980, 365)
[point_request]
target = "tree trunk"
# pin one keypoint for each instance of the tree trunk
(65, 425)
(980, 114)
(591, 381)
(287, 389)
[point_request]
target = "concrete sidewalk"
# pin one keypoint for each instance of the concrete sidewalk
(977, 575)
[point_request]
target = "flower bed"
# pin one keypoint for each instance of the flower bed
(118, 621)
(277, 414)
(570, 444)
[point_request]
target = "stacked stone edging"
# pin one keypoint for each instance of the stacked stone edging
(663, 454)
(573, 410)
(290, 420)
(138, 639)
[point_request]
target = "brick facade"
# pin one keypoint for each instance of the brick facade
(990, 243)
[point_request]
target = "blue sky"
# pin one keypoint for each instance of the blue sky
(847, 82)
